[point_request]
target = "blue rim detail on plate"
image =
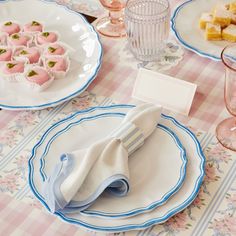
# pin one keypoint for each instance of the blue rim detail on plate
(91, 109)
(185, 44)
(90, 80)
(148, 223)
(132, 212)
(87, 118)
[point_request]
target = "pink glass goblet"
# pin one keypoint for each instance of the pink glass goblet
(226, 130)
(112, 25)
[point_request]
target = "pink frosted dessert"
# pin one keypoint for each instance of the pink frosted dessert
(55, 50)
(18, 40)
(38, 75)
(32, 54)
(10, 28)
(5, 54)
(13, 67)
(47, 37)
(33, 26)
(56, 64)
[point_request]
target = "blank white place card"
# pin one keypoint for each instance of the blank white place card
(173, 94)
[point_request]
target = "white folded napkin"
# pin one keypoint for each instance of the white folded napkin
(81, 176)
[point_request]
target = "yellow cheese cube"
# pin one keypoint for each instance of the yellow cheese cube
(205, 18)
(213, 31)
(229, 33)
(232, 7)
(233, 19)
(222, 17)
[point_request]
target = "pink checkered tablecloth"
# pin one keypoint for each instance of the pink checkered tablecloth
(213, 211)
(19, 218)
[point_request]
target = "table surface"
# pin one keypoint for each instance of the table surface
(213, 211)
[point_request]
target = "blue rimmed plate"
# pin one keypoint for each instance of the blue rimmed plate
(160, 181)
(179, 201)
(185, 24)
(75, 31)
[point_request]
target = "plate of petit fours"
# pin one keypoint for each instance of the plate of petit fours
(205, 27)
(47, 56)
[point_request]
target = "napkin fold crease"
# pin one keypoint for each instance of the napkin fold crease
(82, 176)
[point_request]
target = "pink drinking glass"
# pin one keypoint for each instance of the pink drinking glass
(112, 25)
(226, 130)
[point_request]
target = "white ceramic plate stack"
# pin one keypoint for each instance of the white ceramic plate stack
(165, 173)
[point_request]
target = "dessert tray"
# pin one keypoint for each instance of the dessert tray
(156, 195)
(185, 24)
(85, 53)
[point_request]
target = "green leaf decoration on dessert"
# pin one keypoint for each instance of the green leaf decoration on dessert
(35, 23)
(2, 51)
(51, 63)
(10, 65)
(15, 36)
(51, 49)
(23, 52)
(45, 34)
(8, 23)
(32, 73)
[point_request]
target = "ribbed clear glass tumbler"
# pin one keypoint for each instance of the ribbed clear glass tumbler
(147, 25)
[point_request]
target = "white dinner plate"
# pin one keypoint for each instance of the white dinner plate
(179, 201)
(147, 191)
(185, 24)
(75, 31)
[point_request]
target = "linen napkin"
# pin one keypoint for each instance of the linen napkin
(83, 175)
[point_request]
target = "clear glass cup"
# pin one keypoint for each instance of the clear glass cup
(147, 25)
(226, 130)
(113, 24)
